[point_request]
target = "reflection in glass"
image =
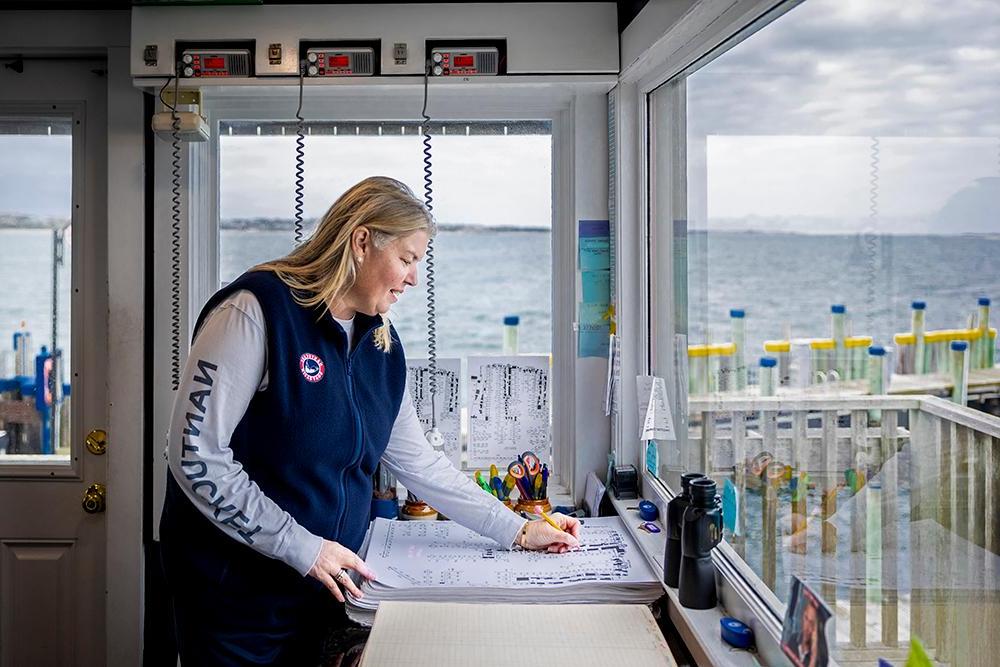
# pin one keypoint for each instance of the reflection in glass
(842, 184)
(36, 237)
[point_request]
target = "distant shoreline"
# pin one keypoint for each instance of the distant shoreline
(281, 225)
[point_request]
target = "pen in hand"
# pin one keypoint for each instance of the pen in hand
(552, 523)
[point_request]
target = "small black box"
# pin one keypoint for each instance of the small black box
(625, 482)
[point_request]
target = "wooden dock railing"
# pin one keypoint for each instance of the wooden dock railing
(889, 506)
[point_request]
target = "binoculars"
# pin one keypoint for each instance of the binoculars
(694, 528)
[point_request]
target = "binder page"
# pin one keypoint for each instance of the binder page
(409, 554)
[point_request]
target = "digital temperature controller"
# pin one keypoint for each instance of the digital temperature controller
(349, 61)
(472, 61)
(215, 63)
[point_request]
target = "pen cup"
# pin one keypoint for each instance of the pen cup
(532, 506)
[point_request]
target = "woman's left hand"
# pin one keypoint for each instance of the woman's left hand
(331, 568)
(538, 535)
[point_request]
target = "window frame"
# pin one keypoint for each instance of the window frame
(568, 103)
(234, 108)
(707, 30)
(685, 49)
(55, 466)
(368, 128)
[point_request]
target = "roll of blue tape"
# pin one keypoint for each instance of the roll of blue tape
(736, 633)
(648, 511)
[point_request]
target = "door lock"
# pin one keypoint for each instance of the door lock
(97, 442)
(95, 498)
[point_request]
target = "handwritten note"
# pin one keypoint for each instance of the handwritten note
(593, 330)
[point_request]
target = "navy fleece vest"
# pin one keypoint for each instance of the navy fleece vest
(312, 439)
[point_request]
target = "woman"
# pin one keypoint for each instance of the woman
(293, 391)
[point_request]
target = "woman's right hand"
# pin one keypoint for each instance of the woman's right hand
(331, 565)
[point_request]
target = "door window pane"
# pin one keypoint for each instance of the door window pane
(35, 236)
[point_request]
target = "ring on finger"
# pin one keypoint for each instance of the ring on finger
(340, 576)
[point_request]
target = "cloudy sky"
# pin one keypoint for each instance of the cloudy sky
(782, 125)
(481, 180)
(35, 175)
(781, 131)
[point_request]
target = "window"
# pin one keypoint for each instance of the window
(36, 234)
(492, 185)
(824, 194)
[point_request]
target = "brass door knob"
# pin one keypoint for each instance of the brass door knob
(95, 499)
(97, 442)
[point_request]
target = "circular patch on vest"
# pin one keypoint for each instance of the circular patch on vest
(312, 367)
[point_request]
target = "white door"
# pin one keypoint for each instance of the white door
(53, 296)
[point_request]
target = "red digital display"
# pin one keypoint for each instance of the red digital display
(340, 61)
(464, 61)
(214, 63)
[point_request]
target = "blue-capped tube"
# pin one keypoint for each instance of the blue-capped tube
(737, 317)
(838, 325)
(876, 377)
(959, 371)
(918, 326)
(983, 343)
(510, 323)
(876, 370)
(768, 373)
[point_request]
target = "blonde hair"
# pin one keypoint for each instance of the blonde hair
(323, 269)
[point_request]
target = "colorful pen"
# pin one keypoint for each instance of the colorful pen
(552, 523)
(483, 485)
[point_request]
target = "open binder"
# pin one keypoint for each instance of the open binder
(440, 561)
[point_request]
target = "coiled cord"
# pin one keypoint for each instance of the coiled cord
(175, 236)
(871, 238)
(300, 142)
(429, 261)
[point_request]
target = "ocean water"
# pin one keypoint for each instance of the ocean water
(26, 292)
(786, 282)
(480, 276)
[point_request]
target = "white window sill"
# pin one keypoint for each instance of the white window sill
(700, 629)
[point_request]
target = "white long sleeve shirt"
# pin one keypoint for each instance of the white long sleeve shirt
(234, 338)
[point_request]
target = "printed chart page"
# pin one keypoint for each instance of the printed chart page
(442, 561)
(443, 553)
(508, 408)
(447, 405)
